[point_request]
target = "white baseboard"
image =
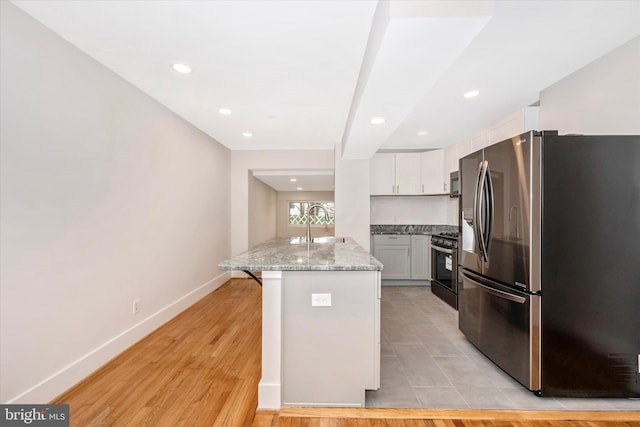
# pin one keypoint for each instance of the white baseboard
(75, 372)
(239, 274)
(269, 395)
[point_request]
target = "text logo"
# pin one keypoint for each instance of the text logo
(34, 415)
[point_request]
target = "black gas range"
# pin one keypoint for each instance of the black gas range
(444, 267)
(445, 240)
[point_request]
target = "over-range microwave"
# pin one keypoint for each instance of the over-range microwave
(454, 184)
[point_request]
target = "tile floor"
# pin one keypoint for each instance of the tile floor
(426, 362)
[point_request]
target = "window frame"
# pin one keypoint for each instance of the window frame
(304, 204)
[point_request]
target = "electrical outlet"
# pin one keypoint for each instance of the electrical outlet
(136, 306)
(320, 300)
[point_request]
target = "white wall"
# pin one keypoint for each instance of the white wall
(352, 198)
(284, 229)
(601, 98)
(410, 210)
(453, 211)
(262, 211)
(243, 162)
(106, 196)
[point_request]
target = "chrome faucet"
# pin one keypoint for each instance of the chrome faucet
(326, 215)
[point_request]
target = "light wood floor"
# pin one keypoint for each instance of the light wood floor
(203, 367)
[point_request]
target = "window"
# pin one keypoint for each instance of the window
(298, 210)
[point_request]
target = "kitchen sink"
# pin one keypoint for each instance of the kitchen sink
(320, 240)
(328, 239)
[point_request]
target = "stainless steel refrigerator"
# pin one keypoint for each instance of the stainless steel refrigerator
(550, 261)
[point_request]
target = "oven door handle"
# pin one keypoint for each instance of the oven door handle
(440, 249)
(495, 292)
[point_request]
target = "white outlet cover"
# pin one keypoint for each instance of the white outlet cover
(136, 306)
(320, 300)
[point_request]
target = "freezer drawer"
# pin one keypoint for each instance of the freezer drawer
(503, 324)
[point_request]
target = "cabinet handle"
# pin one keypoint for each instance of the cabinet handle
(397, 189)
(423, 188)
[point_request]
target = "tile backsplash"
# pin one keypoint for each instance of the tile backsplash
(414, 210)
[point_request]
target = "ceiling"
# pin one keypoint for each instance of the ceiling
(297, 180)
(304, 74)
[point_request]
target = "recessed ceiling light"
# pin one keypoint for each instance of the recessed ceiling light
(299, 188)
(377, 120)
(182, 68)
(471, 94)
(224, 111)
(422, 133)
(247, 134)
(293, 180)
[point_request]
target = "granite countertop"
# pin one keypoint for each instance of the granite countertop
(287, 254)
(412, 229)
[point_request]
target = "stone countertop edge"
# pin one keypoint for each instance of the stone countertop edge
(280, 255)
(411, 229)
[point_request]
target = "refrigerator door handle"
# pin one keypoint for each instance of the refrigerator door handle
(481, 223)
(476, 196)
(490, 211)
(495, 292)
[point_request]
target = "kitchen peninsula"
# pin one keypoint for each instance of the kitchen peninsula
(320, 320)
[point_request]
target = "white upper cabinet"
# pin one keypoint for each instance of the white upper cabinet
(434, 179)
(478, 141)
(515, 124)
(463, 148)
(395, 174)
(519, 122)
(408, 173)
(451, 159)
(382, 174)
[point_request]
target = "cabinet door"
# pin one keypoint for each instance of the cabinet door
(508, 128)
(479, 141)
(433, 176)
(394, 253)
(451, 159)
(396, 261)
(382, 172)
(420, 259)
(517, 123)
(408, 173)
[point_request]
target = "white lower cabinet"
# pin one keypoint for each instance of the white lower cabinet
(394, 252)
(405, 257)
(420, 257)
